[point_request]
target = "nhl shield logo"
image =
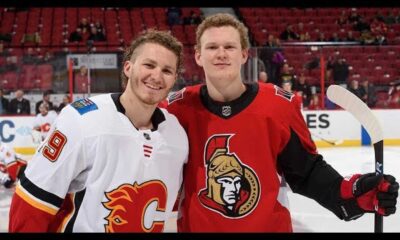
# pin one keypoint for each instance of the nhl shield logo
(226, 111)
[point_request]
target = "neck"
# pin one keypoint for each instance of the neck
(226, 92)
(138, 113)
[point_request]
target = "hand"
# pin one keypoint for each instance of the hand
(373, 193)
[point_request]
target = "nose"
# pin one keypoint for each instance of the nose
(221, 53)
(157, 74)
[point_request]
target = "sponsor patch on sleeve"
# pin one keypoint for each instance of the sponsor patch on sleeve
(84, 106)
(175, 96)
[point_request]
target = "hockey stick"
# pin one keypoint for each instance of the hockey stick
(364, 115)
(334, 142)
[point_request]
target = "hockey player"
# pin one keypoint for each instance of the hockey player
(11, 165)
(113, 162)
(244, 138)
(42, 122)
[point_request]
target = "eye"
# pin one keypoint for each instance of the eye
(148, 65)
(168, 72)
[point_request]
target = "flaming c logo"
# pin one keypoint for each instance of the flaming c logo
(134, 208)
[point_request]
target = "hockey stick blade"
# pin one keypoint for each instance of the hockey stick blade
(351, 103)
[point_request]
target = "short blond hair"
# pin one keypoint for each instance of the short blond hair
(222, 20)
(162, 38)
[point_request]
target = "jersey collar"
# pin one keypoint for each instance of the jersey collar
(156, 119)
(227, 110)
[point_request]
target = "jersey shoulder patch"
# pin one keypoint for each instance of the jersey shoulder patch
(283, 93)
(84, 105)
(176, 96)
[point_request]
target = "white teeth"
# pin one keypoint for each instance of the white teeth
(152, 86)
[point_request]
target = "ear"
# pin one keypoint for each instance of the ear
(197, 56)
(245, 55)
(127, 68)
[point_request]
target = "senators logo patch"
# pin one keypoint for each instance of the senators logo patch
(232, 188)
(136, 208)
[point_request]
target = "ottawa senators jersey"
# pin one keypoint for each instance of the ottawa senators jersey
(239, 153)
(97, 173)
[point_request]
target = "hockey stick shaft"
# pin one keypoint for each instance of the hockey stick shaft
(364, 115)
(378, 149)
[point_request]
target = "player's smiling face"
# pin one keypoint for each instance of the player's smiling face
(221, 54)
(152, 72)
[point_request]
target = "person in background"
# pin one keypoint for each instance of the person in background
(112, 162)
(45, 99)
(246, 140)
(302, 86)
(65, 101)
(3, 103)
(81, 80)
(11, 165)
(19, 104)
(43, 122)
(262, 77)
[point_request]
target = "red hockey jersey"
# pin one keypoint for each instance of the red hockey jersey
(238, 153)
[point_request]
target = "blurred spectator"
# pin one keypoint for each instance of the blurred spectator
(306, 37)
(65, 101)
(362, 25)
(29, 57)
(380, 39)
(378, 27)
(321, 37)
(357, 90)
(31, 38)
(271, 41)
(45, 99)
(289, 34)
(286, 74)
(302, 86)
(342, 20)
(334, 37)
(3, 103)
(84, 24)
(262, 77)
(314, 103)
(81, 80)
(174, 15)
(19, 104)
(192, 19)
(350, 37)
(99, 27)
(354, 17)
(367, 38)
(287, 86)
(340, 71)
(3, 51)
(76, 36)
(394, 95)
(95, 35)
(370, 95)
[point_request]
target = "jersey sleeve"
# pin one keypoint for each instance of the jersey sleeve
(306, 171)
(53, 171)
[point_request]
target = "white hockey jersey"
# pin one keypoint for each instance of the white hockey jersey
(115, 177)
(44, 123)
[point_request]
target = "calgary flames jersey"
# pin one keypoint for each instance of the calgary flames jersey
(97, 173)
(44, 123)
(239, 153)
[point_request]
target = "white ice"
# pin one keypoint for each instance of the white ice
(309, 216)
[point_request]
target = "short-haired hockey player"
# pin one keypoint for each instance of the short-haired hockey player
(11, 165)
(245, 139)
(113, 162)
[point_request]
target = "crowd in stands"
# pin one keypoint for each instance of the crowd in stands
(275, 64)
